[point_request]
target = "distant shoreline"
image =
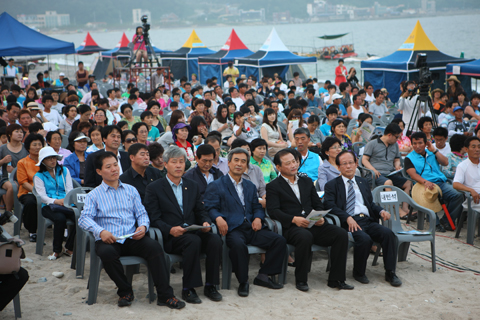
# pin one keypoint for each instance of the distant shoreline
(180, 25)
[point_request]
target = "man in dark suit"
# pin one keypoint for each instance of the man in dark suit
(233, 203)
(351, 200)
(174, 203)
(140, 174)
(290, 199)
(204, 173)
(112, 138)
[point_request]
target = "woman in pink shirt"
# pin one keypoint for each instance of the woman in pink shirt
(340, 73)
(139, 44)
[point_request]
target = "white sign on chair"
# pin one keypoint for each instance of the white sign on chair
(388, 196)
(81, 197)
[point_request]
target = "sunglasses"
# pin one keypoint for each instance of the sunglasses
(130, 140)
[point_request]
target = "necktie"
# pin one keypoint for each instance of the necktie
(351, 199)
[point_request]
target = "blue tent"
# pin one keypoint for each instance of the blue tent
(471, 69)
(388, 72)
(184, 61)
(214, 65)
(273, 57)
(16, 39)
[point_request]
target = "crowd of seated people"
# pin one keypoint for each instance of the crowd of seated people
(193, 155)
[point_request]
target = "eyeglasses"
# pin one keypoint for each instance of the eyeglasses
(335, 148)
(130, 140)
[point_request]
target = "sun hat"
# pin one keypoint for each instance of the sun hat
(453, 78)
(46, 152)
(337, 96)
(437, 90)
(33, 106)
(427, 198)
(81, 136)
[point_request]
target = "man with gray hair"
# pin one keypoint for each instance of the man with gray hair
(174, 204)
(232, 203)
(311, 161)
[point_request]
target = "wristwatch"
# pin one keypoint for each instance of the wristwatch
(435, 152)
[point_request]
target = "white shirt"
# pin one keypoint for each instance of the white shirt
(294, 187)
(239, 189)
(407, 105)
(359, 203)
(446, 150)
(468, 174)
(58, 107)
(87, 98)
(11, 71)
(238, 102)
(53, 116)
(369, 99)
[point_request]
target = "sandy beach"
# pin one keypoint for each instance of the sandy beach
(445, 294)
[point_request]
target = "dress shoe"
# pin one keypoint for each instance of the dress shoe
(267, 284)
(340, 285)
(172, 303)
(191, 296)
(440, 228)
(391, 277)
(243, 289)
(362, 279)
(126, 300)
(302, 286)
(446, 226)
(212, 293)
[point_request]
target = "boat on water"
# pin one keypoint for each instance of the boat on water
(334, 52)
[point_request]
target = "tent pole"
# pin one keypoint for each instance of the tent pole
(75, 65)
(48, 63)
(316, 70)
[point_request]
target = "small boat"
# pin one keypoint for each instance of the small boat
(334, 52)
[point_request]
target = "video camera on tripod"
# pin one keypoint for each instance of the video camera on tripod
(425, 79)
(425, 76)
(145, 25)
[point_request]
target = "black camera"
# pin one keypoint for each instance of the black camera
(425, 76)
(145, 25)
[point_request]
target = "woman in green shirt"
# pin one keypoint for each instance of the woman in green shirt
(128, 117)
(258, 149)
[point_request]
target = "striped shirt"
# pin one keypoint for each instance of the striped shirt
(113, 210)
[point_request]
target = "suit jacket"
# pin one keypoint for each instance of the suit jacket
(164, 211)
(336, 199)
(92, 179)
(221, 200)
(196, 175)
(283, 204)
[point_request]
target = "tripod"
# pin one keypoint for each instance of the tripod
(425, 98)
(151, 55)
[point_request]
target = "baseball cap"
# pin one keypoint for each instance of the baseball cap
(457, 108)
(337, 96)
(61, 74)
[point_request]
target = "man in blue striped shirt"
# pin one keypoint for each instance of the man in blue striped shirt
(111, 211)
